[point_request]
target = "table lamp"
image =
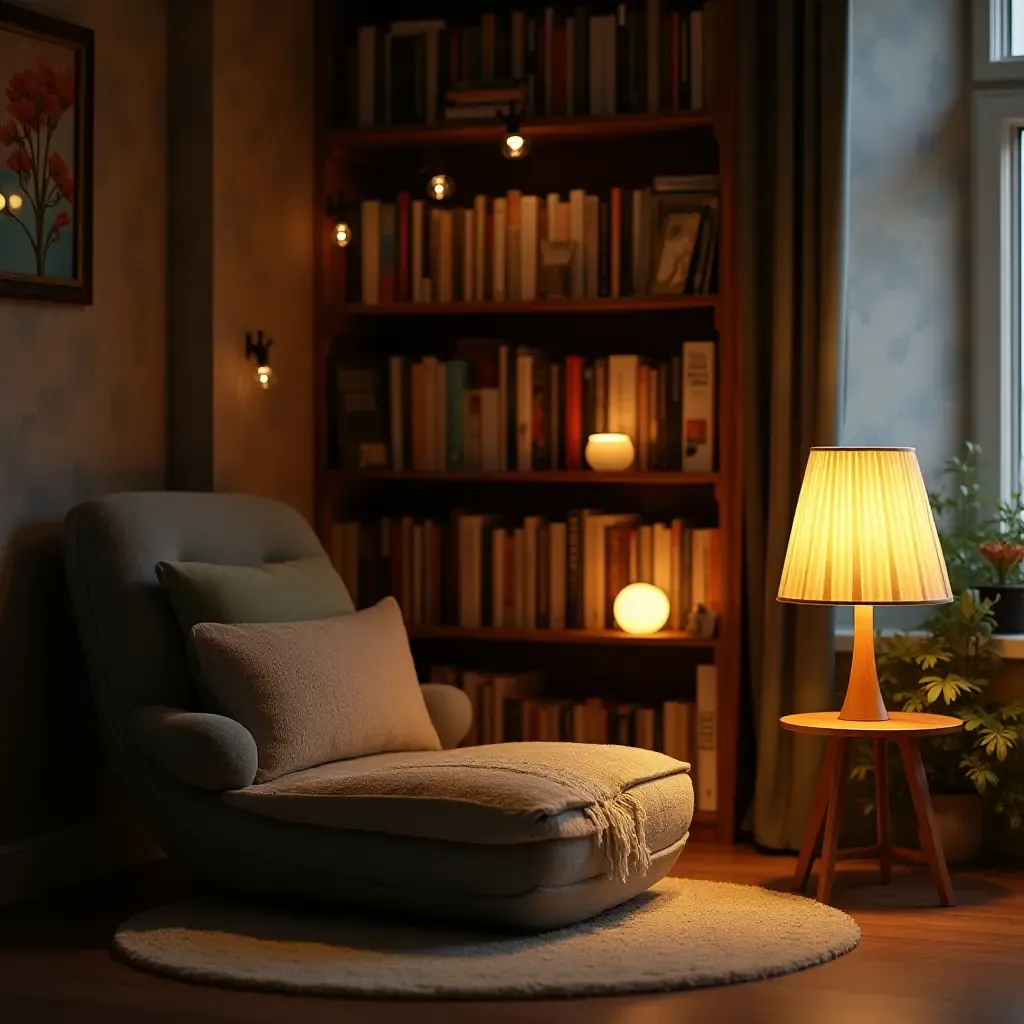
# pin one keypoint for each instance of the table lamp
(863, 534)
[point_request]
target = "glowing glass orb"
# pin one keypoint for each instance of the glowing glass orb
(641, 609)
(14, 201)
(3, 201)
(342, 234)
(440, 187)
(264, 376)
(609, 453)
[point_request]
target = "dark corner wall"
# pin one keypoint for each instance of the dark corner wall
(148, 387)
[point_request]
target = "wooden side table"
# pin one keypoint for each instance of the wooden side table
(905, 729)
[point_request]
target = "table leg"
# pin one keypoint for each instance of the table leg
(882, 811)
(913, 766)
(815, 820)
(833, 820)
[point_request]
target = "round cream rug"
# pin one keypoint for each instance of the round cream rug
(679, 934)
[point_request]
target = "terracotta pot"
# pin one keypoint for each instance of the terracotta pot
(1009, 608)
(958, 824)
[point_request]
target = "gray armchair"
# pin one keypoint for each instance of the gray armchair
(190, 773)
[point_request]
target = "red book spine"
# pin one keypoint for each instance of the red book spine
(402, 241)
(559, 98)
(615, 243)
(674, 30)
(573, 412)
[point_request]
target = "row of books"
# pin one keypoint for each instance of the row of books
(661, 240)
(496, 407)
(652, 56)
(512, 707)
(484, 571)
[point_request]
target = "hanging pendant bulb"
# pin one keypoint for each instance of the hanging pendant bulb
(440, 187)
(515, 145)
(342, 234)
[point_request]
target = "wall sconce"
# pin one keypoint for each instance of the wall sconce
(515, 144)
(259, 350)
(342, 229)
(10, 204)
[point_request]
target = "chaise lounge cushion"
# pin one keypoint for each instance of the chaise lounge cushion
(313, 692)
(624, 803)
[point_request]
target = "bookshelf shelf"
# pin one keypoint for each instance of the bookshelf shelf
(561, 476)
(548, 129)
(545, 306)
(560, 636)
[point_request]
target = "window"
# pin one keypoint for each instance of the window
(998, 238)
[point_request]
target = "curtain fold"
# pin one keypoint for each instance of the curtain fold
(793, 183)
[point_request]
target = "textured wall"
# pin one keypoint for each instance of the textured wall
(263, 251)
(81, 413)
(907, 369)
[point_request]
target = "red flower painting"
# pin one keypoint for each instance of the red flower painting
(37, 99)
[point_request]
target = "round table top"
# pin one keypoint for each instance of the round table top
(899, 723)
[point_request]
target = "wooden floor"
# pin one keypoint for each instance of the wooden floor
(917, 964)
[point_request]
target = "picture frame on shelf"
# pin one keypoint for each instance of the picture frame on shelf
(675, 233)
(46, 157)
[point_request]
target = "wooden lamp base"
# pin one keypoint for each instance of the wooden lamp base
(863, 701)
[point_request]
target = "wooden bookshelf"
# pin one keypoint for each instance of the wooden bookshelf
(541, 306)
(591, 152)
(666, 638)
(549, 130)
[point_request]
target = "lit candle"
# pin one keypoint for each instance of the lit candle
(609, 453)
(641, 608)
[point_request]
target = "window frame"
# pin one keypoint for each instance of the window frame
(990, 49)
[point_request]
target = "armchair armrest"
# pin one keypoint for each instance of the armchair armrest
(201, 750)
(450, 710)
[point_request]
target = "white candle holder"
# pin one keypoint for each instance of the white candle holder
(609, 453)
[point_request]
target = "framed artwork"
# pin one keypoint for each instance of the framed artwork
(46, 97)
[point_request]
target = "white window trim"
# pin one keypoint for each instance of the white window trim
(997, 119)
(990, 38)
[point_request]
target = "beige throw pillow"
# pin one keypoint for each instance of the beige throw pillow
(319, 691)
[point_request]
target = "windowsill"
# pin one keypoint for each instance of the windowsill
(1010, 646)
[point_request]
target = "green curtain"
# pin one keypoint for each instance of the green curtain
(793, 215)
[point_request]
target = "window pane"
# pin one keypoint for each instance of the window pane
(1016, 28)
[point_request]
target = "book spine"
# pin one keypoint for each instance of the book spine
(623, 101)
(616, 571)
(637, 242)
(499, 249)
(387, 252)
(643, 418)
(600, 396)
(490, 439)
(524, 411)
(696, 77)
(581, 61)
(402, 245)
(596, 93)
(591, 246)
(529, 244)
(574, 571)
(674, 69)
(370, 216)
(428, 420)
(547, 49)
(480, 248)
(626, 244)
(396, 411)
(577, 235)
(540, 415)
(614, 245)
(416, 243)
(417, 412)
(698, 406)
(653, 56)
(513, 259)
(570, 65)
(457, 371)
(675, 592)
(610, 32)
(707, 738)
(366, 49)
(557, 575)
(623, 375)
(487, 47)
(518, 45)
(573, 429)
(503, 406)
(469, 255)
(498, 537)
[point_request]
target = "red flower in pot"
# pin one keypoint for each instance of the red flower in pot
(1004, 557)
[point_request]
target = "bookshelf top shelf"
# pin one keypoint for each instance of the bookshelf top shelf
(666, 638)
(662, 303)
(539, 476)
(547, 129)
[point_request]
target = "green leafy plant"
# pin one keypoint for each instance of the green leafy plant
(947, 667)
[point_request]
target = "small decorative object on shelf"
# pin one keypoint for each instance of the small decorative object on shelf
(609, 453)
(258, 349)
(641, 609)
(701, 622)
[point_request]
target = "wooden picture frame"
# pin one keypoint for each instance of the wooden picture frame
(676, 225)
(46, 156)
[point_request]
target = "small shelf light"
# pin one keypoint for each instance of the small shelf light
(10, 203)
(609, 453)
(258, 349)
(641, 609)
(515, 145)
(342, 233)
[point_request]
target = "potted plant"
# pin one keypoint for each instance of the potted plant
(947, 667)
(1007, 596)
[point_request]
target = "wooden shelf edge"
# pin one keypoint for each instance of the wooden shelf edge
(667, 303)
(559, 636)
(540, 476)
(550, 129)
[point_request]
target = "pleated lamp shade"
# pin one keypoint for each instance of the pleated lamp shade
(863, 532)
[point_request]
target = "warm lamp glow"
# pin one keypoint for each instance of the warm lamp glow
(14, 201)
(609, 453)
(440, 187)
(641, 609)
(264, 376)
(342, 234)
(3, 201)
(863, 534)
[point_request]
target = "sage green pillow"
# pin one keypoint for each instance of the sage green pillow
(302, 589)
